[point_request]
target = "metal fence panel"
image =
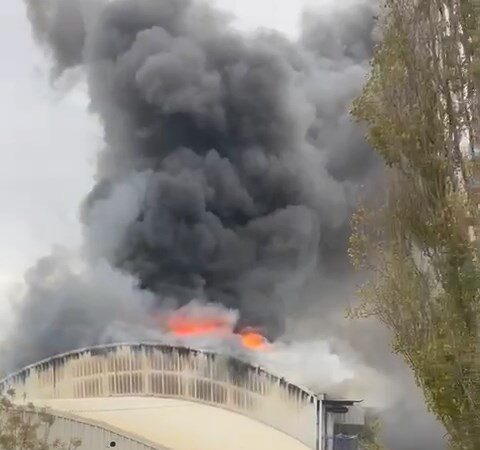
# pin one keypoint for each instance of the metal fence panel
(93, 436)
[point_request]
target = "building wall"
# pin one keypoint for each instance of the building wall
(178, 424)
(165, 371)
(93, 436)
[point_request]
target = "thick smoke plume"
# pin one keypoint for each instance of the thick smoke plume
(231, 165)
(229, 174)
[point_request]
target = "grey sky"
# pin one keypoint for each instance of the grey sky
(43, 172)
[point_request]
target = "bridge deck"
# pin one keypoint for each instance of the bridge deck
(178, 424)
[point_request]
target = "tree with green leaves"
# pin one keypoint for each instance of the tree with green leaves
(420, 241)
(369, 438)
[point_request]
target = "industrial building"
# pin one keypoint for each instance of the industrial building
(151, 396)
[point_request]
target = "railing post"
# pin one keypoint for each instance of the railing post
(146, 371)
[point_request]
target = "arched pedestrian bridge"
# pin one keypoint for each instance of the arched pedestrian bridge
(150, 396)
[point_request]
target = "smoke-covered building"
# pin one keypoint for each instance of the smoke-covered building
(149, 396)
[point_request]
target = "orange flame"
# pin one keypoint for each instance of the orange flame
(253, 340)
(183, 326)
(186, 326)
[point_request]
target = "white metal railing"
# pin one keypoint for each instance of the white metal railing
(175, 372)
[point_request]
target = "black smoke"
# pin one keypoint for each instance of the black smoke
(244, 159)
(230, 168)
